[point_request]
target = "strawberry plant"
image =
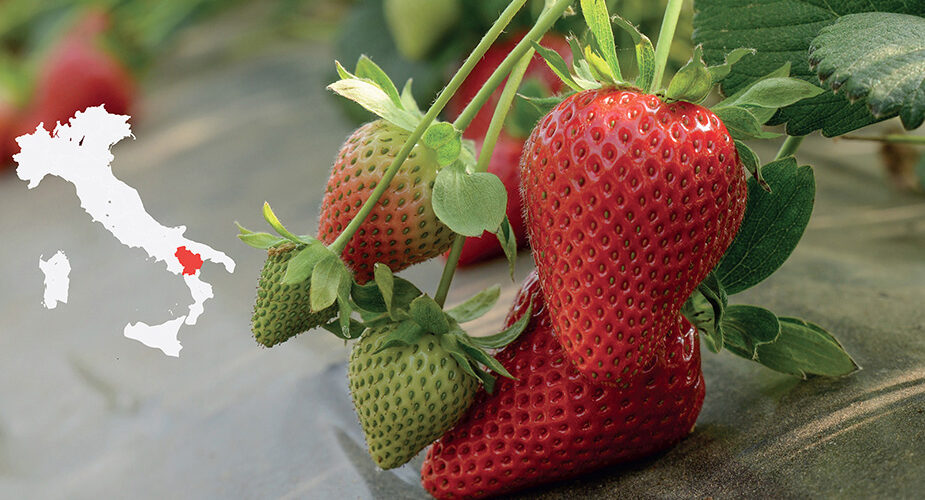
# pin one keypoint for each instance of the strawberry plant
(646, 210)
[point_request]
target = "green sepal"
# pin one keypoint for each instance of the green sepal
(705, 309)
(761, 114)
(746, 327)
(370, 94)
(330, 278)
(426, 312)
(450, 344)
(407, 99)
(804, 349)
(773, 93)
(598, 21)
(476, 306)
(477, 354)
(693, 82)
(558, 66)
(506, 336)
(300, 266)
(469, 203)
(405, 333)
(773, 225)
(354, 330)
(368, 70)
(445, 140)
(752, 163)
(645, 54)
(262, 241)
(277, 226)
(544, 104)
(721, 71)
(508, 241)
(599, 67)
(584, 73)
(369, 297)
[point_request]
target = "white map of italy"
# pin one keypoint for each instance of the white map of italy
(79, 152)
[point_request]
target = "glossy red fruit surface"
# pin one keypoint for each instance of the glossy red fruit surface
(552, 423)
(537, 70)
(630, 203)
(505, 163)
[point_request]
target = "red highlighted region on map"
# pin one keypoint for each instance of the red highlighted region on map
(190, 261)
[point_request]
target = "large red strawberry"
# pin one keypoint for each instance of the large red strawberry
(77, 73)
(552, 423)
(630, 203)
(504, 163)
(538, 73)
(402, 229)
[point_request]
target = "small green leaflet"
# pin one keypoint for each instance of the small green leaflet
(877, 56)
(476, 306)
(747, 327)
(327, 281)
(721, 71)
(762, 114)
(773, 224)
(274, 222)
(773, 93)
(407, 99)
(469, 203)
(445, 140)
(508, 241)
(368, 70)
(804, 349)
(693, 82)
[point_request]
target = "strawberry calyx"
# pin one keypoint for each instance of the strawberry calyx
(412, 314)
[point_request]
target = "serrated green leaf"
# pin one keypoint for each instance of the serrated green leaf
(693, 82)
(782, 31)
(445, 140)
(368, 70)
(326, 282)
(598, 20)
(746, 327)
(876, 56)
(375, 100)
(557, 65)
(742, 123)
(405, 333)
(506, 336)
(469, 203)
(508, 241)
(300, 266)
(261, 240)
(803, 349)
(775, 92)
(476, 306)
(752, 163)
(720, 71)
(772, 227)
(426, 312)
(645, 54)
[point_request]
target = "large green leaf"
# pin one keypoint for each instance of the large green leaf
(781, 31)
(879, 56)
(774, 222)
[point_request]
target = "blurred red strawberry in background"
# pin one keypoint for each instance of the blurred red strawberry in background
(78, 72)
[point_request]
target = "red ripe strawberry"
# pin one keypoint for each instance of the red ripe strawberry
(402, 229)
(505, 163)
(79, 73)
(538, 70)
(552, 423)
(630, 203)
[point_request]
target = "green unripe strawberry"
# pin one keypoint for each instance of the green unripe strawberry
(406, 396)
(402, 229)
(283, 311)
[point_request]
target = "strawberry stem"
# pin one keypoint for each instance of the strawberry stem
(503, 20)
(543, 23)
(488, 147)
(789, 146)
(665, 36)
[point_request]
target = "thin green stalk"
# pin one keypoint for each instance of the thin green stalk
(545, 21)
(488, 147)
(789, 146)
(894, 138)
(503, 20)
(665, 36)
